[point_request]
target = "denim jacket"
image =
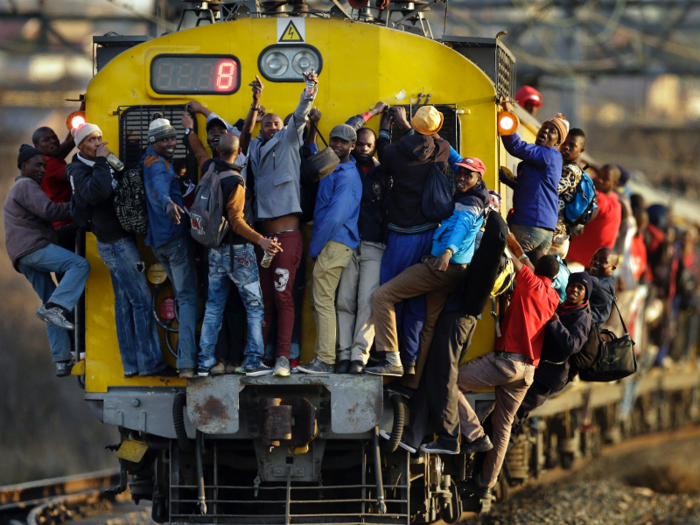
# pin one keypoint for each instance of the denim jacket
(276, 164)
(162, 187)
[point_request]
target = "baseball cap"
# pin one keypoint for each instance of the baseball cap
(343, 131)
(473, 164)
(216, 122)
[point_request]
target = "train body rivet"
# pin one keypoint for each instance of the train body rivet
(135, 402)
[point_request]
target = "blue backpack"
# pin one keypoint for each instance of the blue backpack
(581, 206)
(438, 202)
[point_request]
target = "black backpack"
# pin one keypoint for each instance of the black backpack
(208, 221)
(438, 203)
(130, 202)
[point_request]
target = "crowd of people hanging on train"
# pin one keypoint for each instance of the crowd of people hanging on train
(394, 278)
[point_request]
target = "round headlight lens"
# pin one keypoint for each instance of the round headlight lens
(304, 62)
(276, 64)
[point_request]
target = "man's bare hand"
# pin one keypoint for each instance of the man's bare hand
(442, 262)
(308, 77)
(102, 150)
(187, 121)
(261, 114)
(400, 117)
(174, 212)
(315, 115)
(197, 107)
(269, 246)
(380, 107)
(258, 87)
(387, 121)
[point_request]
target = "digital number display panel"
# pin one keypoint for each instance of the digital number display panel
(195, 74)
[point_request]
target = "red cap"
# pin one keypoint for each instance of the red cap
(473, 164)
(528, 94)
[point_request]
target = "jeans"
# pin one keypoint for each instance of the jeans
(37, 267)
(137, 332)
(244, 274)
(177, 258)
(401, 252)
(532, 237)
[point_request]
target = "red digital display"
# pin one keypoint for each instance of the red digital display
(195, 74)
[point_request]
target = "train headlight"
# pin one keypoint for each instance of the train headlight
(276, 65)
(303, 62)
(75, 119)
(507, 122)
(274, 62)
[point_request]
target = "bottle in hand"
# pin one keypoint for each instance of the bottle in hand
(267, 258)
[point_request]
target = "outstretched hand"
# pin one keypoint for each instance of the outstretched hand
(195, 107)
(174, 212)
(310, 77)
(187, 121)
(258, 87)
(380, 107)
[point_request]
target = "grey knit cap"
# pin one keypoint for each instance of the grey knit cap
(160, 129)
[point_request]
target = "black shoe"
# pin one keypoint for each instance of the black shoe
(482, 444)
(168, 371)
(385, 369)
(471, 487)
(130, 375)
(356, 367)
(343, 367)
(435, 448)
(316, 367)
(63, 368)
(409, 367)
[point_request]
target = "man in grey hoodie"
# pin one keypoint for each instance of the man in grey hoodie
(32, 244)
(274, 162)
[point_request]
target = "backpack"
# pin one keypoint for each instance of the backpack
(438, 203)
(208, 224)
(580, 205)
(81, 218)
(130, 202)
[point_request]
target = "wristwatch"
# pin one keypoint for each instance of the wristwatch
(188, 131)
(523, 256)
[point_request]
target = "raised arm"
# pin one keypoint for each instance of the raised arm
(97, 187)
(200, 153)
(519, 257)
(66, 146)
(358, 121)
(250, 120)
(296, 124)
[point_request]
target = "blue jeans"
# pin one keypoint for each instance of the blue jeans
(401, 252)
(244, 274)
(177, 258)
(532, 237)
(37, 267)
(137, 332)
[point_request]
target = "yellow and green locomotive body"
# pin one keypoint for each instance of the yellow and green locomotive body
(273, 450)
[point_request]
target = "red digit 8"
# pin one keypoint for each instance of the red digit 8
(225, 75)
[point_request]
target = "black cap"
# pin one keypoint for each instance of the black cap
(216, 121)
(26, 152)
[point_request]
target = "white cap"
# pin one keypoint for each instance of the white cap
(81, 132)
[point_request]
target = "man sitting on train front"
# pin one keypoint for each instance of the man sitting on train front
(169, 235)
(274, 162)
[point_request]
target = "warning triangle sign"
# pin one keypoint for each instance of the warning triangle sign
(291, 34)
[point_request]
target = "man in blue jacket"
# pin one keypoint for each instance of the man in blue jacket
(334, 238)
(436, 275)
(535, 198)
(168, 236)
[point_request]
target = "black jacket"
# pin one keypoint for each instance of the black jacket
(93, 191)
(408, 164)
(562, 339)
(602, 298)
(371, 221)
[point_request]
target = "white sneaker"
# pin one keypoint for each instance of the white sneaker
(387, 436)
(282, 367)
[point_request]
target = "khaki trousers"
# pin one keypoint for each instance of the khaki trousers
(512, 379)
(359, 280)
(416, 280)
(329, 265)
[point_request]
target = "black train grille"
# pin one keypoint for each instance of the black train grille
(133, 130)
(505, 84)
(450, 131)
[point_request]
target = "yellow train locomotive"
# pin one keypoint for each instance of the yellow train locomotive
(303, 449)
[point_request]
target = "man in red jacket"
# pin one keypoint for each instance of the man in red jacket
(55, 183)
(511, 366)
(603, 230)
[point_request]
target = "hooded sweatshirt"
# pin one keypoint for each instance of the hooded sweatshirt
(408, 163)
(458, 233)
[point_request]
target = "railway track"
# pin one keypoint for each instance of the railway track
(57, 500)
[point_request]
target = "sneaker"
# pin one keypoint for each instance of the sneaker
(294, 364)
(387, 436)
(55, 317)
(203, 372)
(409, 367)
(385, 369)
(356, 367)
(434, 448)
(343, 367)
(282, 367)
(316, 367)
(258, 370)
(218, 369)
(483, 444)
(129, 375)
(471, 487)
(63, 368)
(231, 368)
(187, 373)
(240, 369)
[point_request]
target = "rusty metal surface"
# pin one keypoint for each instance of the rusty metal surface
(356, 401)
